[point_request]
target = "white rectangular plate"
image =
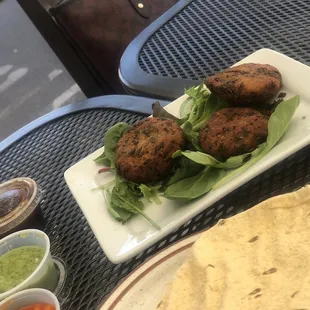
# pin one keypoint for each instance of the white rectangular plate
(121, 242)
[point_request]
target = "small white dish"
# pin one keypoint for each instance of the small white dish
(121, 242)
(29, 297)
(144, 288)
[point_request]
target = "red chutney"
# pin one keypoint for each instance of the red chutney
(39, 307)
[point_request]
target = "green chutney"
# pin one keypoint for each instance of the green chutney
(18, 264)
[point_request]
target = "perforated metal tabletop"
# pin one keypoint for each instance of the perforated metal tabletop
(197, 38)
(45, 152)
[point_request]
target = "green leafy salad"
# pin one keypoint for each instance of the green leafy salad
(194, 172)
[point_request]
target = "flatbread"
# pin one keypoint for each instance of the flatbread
(258, 259)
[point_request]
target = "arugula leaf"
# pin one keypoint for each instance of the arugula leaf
(125, 196)
(150, 193)
(111, 139)
(195, 186)
(208, 160)
(277, 126)
(127, 201)
(119, 214)
(123, 199)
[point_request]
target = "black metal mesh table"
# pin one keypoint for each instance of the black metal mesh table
(46, 152)
(200, 37)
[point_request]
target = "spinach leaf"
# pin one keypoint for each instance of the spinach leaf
(208, 160)
(277, 126)
(103, 160)
(212, 105)
(280, 120)
(111, 139)
(150, 193)
(185, 168)
(195, 186)
(200, 105)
